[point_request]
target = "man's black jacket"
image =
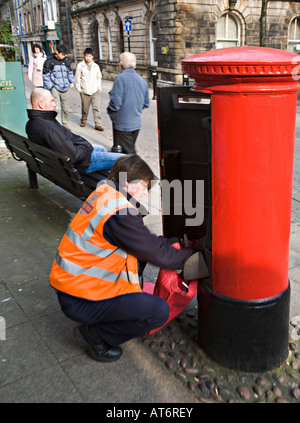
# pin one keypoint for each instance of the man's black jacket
(43, 129)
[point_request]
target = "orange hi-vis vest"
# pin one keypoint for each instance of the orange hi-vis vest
(88, 266)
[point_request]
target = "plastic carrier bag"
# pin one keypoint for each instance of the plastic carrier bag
(172, 289)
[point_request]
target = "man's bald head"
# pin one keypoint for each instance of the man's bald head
(42, 99)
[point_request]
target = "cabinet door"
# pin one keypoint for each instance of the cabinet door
(184, 151)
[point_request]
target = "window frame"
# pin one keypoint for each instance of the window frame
(238, 25)
(153, 44)
(293, 42)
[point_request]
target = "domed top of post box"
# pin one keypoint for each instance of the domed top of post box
(222, 65)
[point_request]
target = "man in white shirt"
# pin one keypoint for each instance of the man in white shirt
(88, 83)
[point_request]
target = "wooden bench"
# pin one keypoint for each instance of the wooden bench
(56, 167)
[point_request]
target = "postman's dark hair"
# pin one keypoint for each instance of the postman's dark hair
(134, 167)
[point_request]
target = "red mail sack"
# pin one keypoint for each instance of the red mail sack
(169, 286)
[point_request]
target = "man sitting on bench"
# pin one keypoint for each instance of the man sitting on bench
(43, 129)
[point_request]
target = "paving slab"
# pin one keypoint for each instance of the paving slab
(39, 360)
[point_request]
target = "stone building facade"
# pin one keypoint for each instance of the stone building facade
(46, 22)
(165, 31)
(30, 17)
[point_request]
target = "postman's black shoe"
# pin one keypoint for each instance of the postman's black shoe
(97, 347)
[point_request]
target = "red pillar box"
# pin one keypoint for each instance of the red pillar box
(244, 313)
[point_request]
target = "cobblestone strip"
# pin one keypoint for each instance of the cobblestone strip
(176, 347)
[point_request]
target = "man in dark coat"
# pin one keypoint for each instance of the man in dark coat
(43, 129)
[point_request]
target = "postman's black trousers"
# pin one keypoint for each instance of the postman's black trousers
(117, 319)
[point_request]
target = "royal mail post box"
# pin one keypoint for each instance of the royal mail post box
(234, 129)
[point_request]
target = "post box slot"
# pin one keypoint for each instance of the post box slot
(189, 101)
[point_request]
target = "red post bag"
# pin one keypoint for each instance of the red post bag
(169, 286)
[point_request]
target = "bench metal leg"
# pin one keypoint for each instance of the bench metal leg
(33, 183)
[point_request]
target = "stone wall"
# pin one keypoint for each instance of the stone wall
(184, 28)
(64, 9)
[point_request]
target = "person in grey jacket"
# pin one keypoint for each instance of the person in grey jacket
(58, 78)
(128, 97)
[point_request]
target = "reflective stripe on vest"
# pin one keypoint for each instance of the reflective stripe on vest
(85, 245)
(87, 265)
(96, 272)
(101, 214)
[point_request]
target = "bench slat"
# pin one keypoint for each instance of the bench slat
(54, 166)
(45, 153)
(49, 170)
(78, 188)
(24, 155)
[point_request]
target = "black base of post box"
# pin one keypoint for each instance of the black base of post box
(250, 336)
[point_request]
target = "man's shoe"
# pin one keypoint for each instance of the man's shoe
(82, 124)
(99, 128)
(97, 347)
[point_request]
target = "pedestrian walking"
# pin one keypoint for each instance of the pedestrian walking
(88, 84)
(35, 66)
(128, 97)
(58, 78)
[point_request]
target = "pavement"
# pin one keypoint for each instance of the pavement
(39, 360)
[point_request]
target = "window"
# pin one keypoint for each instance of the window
(100, 44)
(110, 55)
(34, 19)
(228, 31)
(39, 18)
(294, 36)
(122, 45)
(29, 27)
(50, 10)
(153, 42)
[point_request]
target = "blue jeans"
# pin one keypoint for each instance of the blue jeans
(101, 159)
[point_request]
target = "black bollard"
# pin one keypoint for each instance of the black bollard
(154, 78)
(185, 80)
